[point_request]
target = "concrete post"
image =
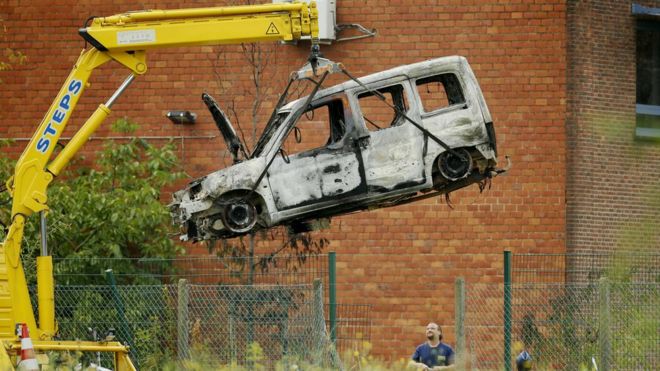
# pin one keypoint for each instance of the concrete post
(183, 349)
(604, 339)
(459, 323)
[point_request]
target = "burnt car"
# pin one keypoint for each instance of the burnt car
(413, 131)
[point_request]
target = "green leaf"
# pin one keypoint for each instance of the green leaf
(111, 209)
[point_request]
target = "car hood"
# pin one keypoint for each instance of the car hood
(200, 194)
(240, 176)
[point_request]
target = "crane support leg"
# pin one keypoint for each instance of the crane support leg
(15, 304)
(46, 296)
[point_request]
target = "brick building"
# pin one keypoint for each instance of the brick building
(559, 81)
(612, 130)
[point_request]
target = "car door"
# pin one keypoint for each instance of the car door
(446, 112)
(393, 154)
(319, 162)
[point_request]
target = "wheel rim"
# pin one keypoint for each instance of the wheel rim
(455, 167)
(240, 216)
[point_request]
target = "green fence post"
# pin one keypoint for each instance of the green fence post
(119, 304)
(459, 311)
(507, 310)
(604, 324)
(332, 295)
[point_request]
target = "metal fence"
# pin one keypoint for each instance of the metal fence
(577, 311)
(484, 327)
(613, 323)
(615, 326)
(233, 303)
(352, 327)
(280, 269)
(203, 326)
(582, 267)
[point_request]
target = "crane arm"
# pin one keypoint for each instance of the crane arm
(124, 38)
(202, 26)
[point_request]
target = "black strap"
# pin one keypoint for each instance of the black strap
(400, 112)
(295, 118)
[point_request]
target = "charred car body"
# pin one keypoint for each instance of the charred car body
(391, 137)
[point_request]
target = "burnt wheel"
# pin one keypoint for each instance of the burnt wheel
(454, 167)
(240, 216)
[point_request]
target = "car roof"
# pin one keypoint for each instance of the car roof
(428, 67)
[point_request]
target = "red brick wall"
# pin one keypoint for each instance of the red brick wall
(401, 260)
(612, 176)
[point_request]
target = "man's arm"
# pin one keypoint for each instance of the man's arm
(421, 366)
(413, 361)
(417, 365)
(450, 367)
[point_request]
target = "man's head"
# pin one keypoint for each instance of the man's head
(433, 332)
(524, 361)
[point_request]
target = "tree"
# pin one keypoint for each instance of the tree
(109, 210)
(258, 61)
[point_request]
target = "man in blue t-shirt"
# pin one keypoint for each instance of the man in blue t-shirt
(433, 354)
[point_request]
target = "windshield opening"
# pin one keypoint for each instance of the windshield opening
(270, 129)
(275, 122)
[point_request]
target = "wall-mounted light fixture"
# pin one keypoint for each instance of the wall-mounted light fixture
(182, 117)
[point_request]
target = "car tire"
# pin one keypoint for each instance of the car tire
(240, 215)
(453, 167)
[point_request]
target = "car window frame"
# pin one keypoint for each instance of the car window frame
(410, 96)
(345, 102)
(453, 107)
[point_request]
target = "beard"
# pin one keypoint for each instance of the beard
(430, 337)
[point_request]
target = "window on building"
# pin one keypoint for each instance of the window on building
(648, 80)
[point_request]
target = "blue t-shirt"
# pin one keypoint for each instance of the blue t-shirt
(440, 355)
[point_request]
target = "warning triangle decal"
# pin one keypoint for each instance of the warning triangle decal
(272, 30)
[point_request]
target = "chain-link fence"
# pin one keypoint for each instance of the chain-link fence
(566, 327)
(582, 267)
(484, 327)
(352, 327)
(578, 311)
(205, 326)
(612, 325)
(229, 270)
(234, 311)
(279, 317)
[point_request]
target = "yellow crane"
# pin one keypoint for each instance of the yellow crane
(124, 38)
